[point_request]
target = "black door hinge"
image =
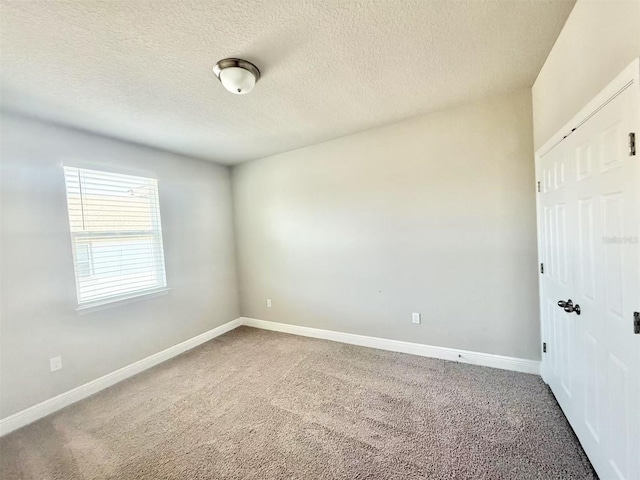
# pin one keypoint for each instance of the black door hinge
(632, 144)
(542, 268)
(538, 187)
(544, 347)
(636, 322)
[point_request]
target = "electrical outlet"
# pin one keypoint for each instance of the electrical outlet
(269, 302)
(55, 363)
(415, 318)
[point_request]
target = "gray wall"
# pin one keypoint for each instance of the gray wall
(433, 215)
(599, 39)
(38, 296)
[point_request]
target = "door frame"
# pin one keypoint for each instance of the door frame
(628, 78)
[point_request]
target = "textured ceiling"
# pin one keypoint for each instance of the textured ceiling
(141, 70)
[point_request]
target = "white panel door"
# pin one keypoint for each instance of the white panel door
(590, 219)
(558, 228)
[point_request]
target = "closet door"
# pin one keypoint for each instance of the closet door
(592, 362)
(608, 273)
(557, 202)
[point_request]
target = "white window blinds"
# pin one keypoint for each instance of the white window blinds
(116, 235)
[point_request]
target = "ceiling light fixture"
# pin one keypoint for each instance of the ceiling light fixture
(237, 75)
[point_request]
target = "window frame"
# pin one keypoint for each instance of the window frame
(155, 236)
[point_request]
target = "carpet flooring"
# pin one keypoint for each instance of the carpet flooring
(254, 404)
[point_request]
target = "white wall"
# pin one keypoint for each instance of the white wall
(599, 39)
(433, 215)
(38, 320)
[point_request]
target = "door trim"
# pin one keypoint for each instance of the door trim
(629, 77)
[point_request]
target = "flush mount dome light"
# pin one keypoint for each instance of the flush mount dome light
(237, 75)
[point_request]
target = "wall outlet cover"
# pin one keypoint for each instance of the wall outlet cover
(415, 318)
(55, 363)
(269, 302)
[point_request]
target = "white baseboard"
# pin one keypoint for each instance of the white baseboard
(463, 356)
(36, 412)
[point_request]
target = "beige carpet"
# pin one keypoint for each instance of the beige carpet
(261, 405)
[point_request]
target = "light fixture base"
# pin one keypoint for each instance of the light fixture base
(236, 62)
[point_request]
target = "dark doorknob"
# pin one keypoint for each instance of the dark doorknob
(572, 308)
(569, 307)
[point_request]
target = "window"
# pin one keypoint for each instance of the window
(116, 235)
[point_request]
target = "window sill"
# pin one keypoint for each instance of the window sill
(121, 300)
